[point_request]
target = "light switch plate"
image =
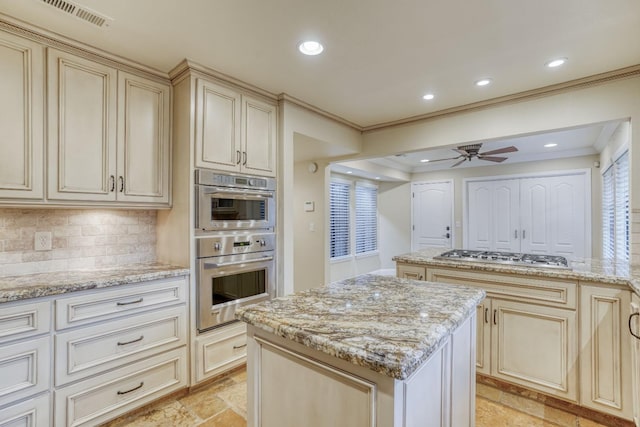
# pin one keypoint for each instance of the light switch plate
(42, 241)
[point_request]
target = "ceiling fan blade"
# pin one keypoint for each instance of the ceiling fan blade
(440, 160)
(463, 152)
(458, 163)
(493, 159)
(500, 151)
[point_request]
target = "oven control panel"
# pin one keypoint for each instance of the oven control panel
(240, 243)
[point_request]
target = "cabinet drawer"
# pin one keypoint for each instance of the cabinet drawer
(544, 291)
(24, 320)
(91, 350)
(30, 413)
(109, 395)
(109, 304)
(413, 272)
(221, 350)
(24, 369)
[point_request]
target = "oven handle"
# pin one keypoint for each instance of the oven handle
(209, 265)
(253, 194)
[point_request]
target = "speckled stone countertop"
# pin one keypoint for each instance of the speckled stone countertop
(595, 270)
(15, 288)
(383, 323)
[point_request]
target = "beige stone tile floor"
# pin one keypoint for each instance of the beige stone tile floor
(223, 403)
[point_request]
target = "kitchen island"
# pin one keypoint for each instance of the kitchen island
(367, 351)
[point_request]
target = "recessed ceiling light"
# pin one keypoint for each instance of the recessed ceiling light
(556, 62)
(424, 160)
(377, 177)
(310, 47)
(483, 82)
(550, 145)
(429, 96)
(349, 172)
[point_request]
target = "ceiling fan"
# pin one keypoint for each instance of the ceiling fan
(468, 152)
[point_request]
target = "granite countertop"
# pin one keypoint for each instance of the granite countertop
(383, 323)
(15, 288)
(589, 269)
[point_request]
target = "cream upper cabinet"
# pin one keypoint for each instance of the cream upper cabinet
(21, 118)
(258, 137)
(82, 128)
(143, 139)
(234, 133)
(108, 133)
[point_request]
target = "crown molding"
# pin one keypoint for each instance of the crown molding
(314, 109)
(188, 67)
(597, 79)
(60, 42)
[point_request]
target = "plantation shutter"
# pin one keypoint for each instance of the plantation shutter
(366, 218)
(339, 201)
(622, 207)
(608, 214)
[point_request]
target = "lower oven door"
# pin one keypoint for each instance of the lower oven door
(225, 282)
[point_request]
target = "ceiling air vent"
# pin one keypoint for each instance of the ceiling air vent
(80, 12)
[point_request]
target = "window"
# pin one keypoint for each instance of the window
(349, 204)
(366, 218)
(615, 210)
(339, 207)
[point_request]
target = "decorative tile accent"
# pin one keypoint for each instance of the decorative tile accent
(81, 239)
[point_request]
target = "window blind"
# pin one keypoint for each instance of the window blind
(622, 207)
(339, 202)
(615, 210)
(366, 218)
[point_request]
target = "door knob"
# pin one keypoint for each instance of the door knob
(448, 228)
(447, 235)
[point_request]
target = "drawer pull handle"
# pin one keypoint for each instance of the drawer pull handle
(236, 347)
(132, 341)
(630, 329)
(120, 393)
(139, 300)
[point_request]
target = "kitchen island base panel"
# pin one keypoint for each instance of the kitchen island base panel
(290, 385)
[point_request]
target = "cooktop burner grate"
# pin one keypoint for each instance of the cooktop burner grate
(533, 260)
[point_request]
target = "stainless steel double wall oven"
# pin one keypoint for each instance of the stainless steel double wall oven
(235, 244)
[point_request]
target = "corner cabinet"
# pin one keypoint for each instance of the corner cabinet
(21, 118)
(234, 132)
(108, 133)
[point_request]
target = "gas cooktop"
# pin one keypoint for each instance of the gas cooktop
(532, 260)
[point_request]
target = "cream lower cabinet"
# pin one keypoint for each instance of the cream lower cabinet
(414, 272)
(234, 132)
(21, 118)
(220, 350)
(634, 331)
(119, 348)
(108, 133)
(606, 350)
(526, 331)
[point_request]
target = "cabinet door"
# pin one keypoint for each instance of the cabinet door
(143, 140)
(483, 337)
(479, 231)
(258, 137)
(553, 215)
(414, 272)
(82, 128)
(535, 347)
(605, 359)
(634, 328)
(21, 118)
(217, 127)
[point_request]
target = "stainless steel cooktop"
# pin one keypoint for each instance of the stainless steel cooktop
(529, 260)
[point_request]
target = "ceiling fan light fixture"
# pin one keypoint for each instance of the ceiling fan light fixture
(556, 62)
(311, 47)
(483, 82)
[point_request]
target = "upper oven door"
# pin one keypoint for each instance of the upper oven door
(222, 208)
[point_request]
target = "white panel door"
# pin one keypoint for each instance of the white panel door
(506, 215)
(432, 214)
(554, 215)
(21, 118)
(479, 222)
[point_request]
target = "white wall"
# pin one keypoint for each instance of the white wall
(616, 145)
(570, 163)
(394, 209)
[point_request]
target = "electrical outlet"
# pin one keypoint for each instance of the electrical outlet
(43, 241)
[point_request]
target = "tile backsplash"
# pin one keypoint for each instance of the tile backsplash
(81, 239)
